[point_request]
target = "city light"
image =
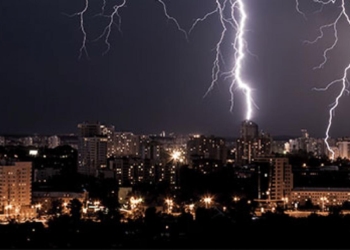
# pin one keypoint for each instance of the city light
(134, 202)
(285, 201)
(207, 201)
(33, 152)
(8, 207)
(170, 204)
(176, 155)
(324, 200)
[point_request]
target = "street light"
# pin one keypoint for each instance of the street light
(207, 200)
(134, 202)
(285, 201)
(136, 211)
(323, 199)
(176, 155)
(169, 203)
(8, 208)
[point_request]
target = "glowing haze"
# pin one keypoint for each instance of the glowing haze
(343, 80)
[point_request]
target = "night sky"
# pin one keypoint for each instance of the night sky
(152, 79)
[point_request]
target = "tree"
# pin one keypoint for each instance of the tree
(346, 205)
(75, 208)
(56, 207)
(309, 204)
(112, 204)
(152, 221)
(335, 211)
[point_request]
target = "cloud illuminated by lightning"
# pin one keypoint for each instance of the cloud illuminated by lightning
(344, 79)
(237, 22)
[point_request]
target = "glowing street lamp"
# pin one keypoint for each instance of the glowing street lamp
(176, 155)
(285, 201)
(169, 203)
(8, 208)
(323, 200)
(207, 200)
(134, 202)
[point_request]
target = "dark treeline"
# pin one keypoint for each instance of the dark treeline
(210, 229)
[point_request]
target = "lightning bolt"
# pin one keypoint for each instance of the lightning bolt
(81, 14)
(215, 74)
(344, 79)
(112, 21)
(237, 22)
(173, 19)
(107, 30)
(240, 47)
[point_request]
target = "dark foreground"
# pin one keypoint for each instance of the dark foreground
(209, 230)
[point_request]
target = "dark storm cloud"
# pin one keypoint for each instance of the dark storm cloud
(152, 79)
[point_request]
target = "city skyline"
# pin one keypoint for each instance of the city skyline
(152, 79)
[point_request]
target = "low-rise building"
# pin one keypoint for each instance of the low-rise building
(43, 200)
(324, 197)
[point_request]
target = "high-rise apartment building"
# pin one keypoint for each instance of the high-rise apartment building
(15, 186)
(281, 179)
(344, 148)
(92, 148)
(203, 147)
(127, 144)
(249, 130)
(251, 143)
(109, 132)
(87, 129)
(309, 144)
(53, 141)
(130, 171)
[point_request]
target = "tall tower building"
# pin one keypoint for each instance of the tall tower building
(251, 143)
(109, 132)
(247, 144)
(201, 148)
(344, 148)
(127, 144)
(89, 129)
(92, 148)
(281, 179)
(15, 186)
(249, 130)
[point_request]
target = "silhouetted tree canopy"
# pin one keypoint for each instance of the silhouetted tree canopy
(75, 207)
